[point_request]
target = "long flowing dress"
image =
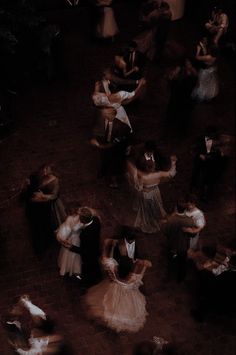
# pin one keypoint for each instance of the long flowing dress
(148, 201)
(150, 209)
(117, 304)
(208, 84)
(45, 216)
(57, 210)
(106, 26)
(68, 261)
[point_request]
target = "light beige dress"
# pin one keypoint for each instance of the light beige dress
(148, 201)
(106, 26)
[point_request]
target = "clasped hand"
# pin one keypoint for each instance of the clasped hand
(173, 158)
(38, 196)
(66, 243)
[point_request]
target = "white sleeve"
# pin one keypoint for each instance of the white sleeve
(34, 310)
(126, 95)
(199, 220)
(100, 99)
(64, 231)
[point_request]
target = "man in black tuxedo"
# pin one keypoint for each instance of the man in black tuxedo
(126, 245)
(89, 248)
(178, 241)
(112, 137)
(207, 163)
(134, 59)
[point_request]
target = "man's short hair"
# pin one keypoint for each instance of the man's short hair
(191, 198)
(132, 44)
(211, 131)
(180, 206)
(128, 233)
(150, 146)
(85, 215)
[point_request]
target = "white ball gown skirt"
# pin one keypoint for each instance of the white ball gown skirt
(119, 306)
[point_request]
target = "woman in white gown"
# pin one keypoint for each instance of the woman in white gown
(117, 302)
(69, 234)
(106, 26)
(208, 83)
(148, 201)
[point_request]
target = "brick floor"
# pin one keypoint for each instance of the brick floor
(54, 124)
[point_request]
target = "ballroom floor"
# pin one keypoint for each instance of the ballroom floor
(54, 125)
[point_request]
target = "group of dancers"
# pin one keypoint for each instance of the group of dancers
(110, 270)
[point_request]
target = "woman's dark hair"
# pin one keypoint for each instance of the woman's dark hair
(180, 206)
(191, 198)
(148, 166)
(150, 146)
(125, 266)
(127, 232)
